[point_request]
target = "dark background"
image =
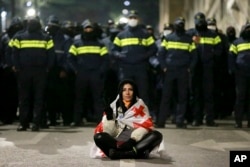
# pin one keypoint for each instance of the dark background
(78, 10)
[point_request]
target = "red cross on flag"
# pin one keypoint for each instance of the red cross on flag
(137, 116)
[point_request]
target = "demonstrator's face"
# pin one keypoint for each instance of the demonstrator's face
(127, 93)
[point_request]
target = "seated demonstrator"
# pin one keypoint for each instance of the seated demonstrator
(127, 128)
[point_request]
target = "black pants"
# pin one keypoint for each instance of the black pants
(181, 79)
(106, 142)
(31, 88)
(88, 84)
(59, 97)
(202, 91)
(8, 96)
(242, 97)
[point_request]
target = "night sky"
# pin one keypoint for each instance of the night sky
(101, 10)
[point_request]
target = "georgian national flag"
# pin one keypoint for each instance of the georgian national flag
(137, 116)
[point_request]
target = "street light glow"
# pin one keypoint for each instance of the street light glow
(126, 3)
(3, 14)
(29, 3)
(31, 12)
(123, 20)
(125, 11)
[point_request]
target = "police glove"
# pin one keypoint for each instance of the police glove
(128, 145)
(109, 113)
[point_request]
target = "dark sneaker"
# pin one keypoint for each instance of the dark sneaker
(211, 124)
(197, 123)
(21, 128)
(238, 125)
(35, 128)
(181, 125)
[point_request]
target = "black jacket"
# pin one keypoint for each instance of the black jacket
(134, 45)
(86, 54)
(239, 56)
(209, 47)
(177, 51)
(33, 49)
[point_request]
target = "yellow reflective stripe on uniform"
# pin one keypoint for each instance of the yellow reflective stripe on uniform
(72, 50)
(88, 50)
(217, 40)
(192, 47)
(164, 43)
(16, 43)
(33, 44)
(50, 44)
(150, 41)
(133, 41)
(243, 46)
(11, 43)
(178, 45)
(117, 41)
(211, 41)
(206, 40)
(233, 49)
(104, 51)
(129, 41)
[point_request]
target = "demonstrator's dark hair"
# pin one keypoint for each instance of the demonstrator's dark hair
(120, 90)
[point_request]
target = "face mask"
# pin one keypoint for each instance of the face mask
(211, 27)
(166, 32)
(132, 22)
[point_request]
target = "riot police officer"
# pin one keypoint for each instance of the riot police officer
(177, 58)
(33, 57)
(132, 48)
(88, 58)
(209, 48)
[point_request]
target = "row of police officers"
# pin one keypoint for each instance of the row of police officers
(59, 72)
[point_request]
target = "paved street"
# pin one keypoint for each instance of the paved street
(69, 147)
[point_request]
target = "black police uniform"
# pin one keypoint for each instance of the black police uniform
(222, 80)
(177, 57)
(33, 56)
(88, 57)
(8, 84)
(132, 47)
(58, 96)
(209, 48)
(239, 64)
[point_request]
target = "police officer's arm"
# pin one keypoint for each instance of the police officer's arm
(218, 47)
(162, 53)
(50, 53)
(232, 58)
(105, 56)
(66, 46)
(152, 47)
(15, 54)
(116, 49)
(72, 57)
(7, 54)
(194, 56)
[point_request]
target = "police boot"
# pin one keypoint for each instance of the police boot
(117, 154)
